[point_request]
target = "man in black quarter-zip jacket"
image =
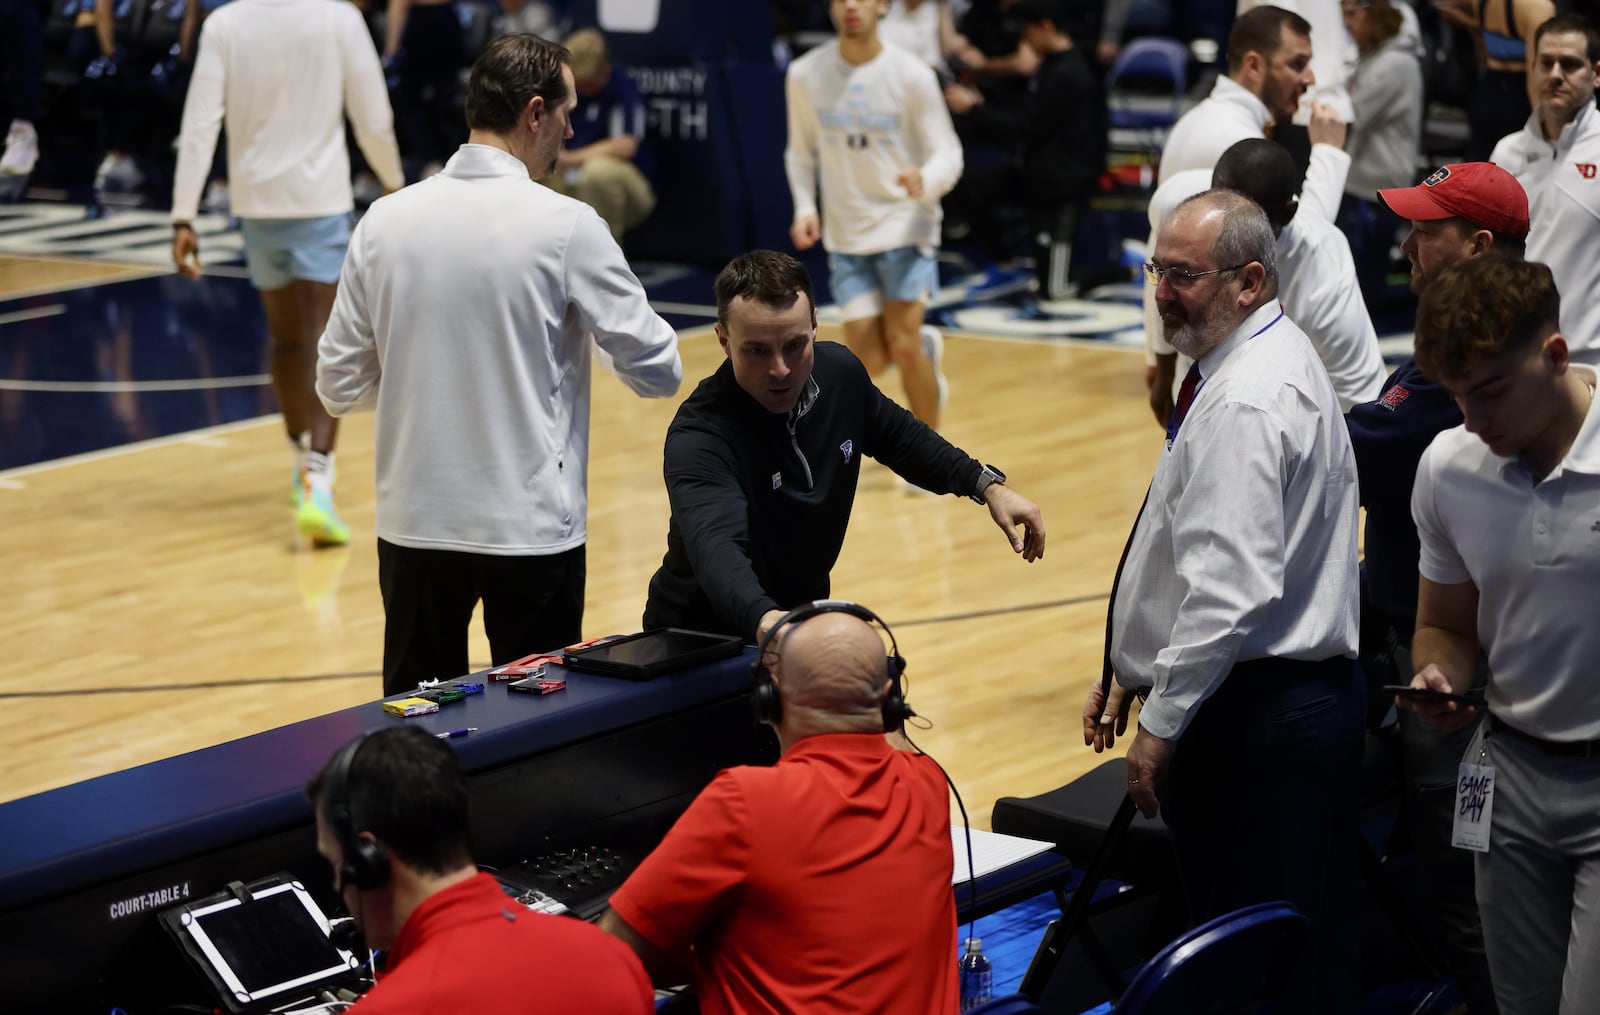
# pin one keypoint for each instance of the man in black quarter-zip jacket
(762, 461)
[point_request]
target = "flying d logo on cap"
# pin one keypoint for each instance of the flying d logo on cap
(1437, 177)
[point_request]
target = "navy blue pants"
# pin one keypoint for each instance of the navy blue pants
(22, 57)
(1261, 799)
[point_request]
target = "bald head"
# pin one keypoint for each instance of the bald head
(832, 675)
(1264, 172)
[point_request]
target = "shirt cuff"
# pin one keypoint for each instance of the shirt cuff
(1162, 718)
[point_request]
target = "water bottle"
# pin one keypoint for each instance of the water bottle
(977, 975)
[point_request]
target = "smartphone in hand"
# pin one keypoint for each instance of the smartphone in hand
(1429, 694)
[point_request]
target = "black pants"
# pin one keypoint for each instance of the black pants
(530, 604)
(1261, 800)
(21, 59)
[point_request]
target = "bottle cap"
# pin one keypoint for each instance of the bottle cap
(974, 944)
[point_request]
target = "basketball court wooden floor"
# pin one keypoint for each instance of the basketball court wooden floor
(157, 601)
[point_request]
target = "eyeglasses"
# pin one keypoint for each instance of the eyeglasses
(1177, 277)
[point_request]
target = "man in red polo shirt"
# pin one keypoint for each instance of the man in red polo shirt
(391, 812)
(823, 882)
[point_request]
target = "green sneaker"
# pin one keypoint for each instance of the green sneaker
(316, 518)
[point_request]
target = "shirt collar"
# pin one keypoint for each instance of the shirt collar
(1260, 319)
(479, 160)
(1234, 94)
(464, 902)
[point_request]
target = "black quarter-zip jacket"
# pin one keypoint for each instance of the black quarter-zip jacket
(761, 500)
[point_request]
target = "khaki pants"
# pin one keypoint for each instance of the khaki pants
(614, 188)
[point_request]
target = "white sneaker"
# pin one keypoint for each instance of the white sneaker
(933, 348)
(22, 149)
(118, 173)
(216, 198)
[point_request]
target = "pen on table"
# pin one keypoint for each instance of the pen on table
(452, 734)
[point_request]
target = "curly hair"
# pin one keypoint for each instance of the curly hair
(1480, 309)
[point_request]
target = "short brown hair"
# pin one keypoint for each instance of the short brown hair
(511, 71)
(772, 277)
(1481, 308)
(1571, 24)
(1383, 19)
(1260, 30)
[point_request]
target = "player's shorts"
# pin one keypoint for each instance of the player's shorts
(278, 251)
(862, 282)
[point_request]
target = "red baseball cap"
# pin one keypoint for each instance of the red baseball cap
(1480, 192)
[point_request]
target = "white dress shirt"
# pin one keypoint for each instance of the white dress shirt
(852, 129)
(464, 314)
(1246, 548)
(283, 73)
(1318, 288)
(1231, 114)
(1563, 186)
(1533, 551)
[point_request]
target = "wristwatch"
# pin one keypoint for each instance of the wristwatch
(986, 476)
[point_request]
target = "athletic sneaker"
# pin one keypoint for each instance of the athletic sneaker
(22, 149)
(316, 518)
(933, 348)
(118, 174)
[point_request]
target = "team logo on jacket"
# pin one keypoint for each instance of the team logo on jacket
(849, 448)
(1586, 170)
(777, 480)
(1394, 396)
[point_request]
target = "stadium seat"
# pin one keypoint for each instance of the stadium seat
(1224, 966)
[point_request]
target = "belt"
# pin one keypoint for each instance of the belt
(1557, 748)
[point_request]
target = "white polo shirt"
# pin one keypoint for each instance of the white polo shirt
(1533, 551)
(1563, 185)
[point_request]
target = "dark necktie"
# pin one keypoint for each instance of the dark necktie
(1186, 393)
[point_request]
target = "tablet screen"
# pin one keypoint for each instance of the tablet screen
(654, 652)
(277, 941)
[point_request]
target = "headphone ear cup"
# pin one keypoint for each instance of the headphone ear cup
(895, 709)
(764, 699)
(366, 865)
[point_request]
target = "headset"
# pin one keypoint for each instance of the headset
(365, 864)
(764, 694)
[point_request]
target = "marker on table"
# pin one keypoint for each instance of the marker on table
(452, 734)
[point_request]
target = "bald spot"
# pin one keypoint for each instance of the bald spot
(834, 664)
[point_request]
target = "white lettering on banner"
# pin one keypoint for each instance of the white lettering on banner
(669, 80)
(629, 15)
(157, 898)
(677, 119)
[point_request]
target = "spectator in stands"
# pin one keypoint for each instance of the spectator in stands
(482, 455)
(422, 58)
(22, 66)
(1505, 507)
(821, 883)
(926, 29)
(1555, 158)
(740, 553)
(1055, 155)
(1460, 212)
(608, 163)
(392, 822)
(1505, 92)
(867, 124)
(1237, 607)
(1316, 275)
(290, 170)
(1386, 88)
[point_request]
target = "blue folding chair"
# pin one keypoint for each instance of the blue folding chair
(1145, 87)
(1224, 966)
